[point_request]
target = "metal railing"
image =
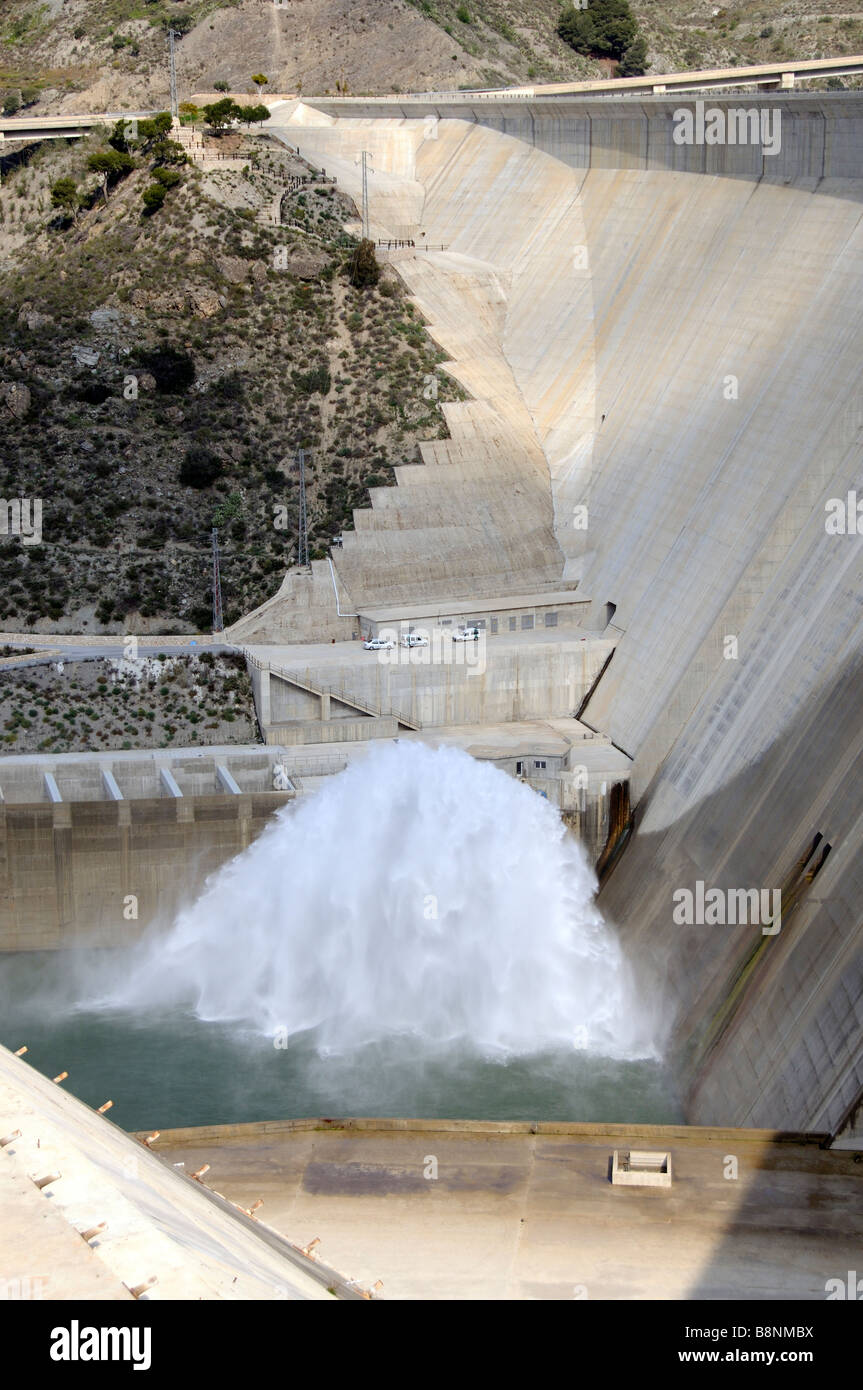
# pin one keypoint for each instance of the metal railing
(298, 768)
(401, 244)
(342, 693)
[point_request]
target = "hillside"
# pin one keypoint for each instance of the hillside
(105, 54)
(158, 374)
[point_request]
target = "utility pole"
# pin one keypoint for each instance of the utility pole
(218, 620)
(366, 158)
(303, 540)
(175, 109)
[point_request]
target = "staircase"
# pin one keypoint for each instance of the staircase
(335, 691)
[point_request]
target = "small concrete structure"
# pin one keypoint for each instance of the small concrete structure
(515, 613)
(640, 1168)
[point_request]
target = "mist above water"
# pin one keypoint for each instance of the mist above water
(421, 893)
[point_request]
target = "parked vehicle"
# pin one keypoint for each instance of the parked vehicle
(466, 634)
(414, 639)
(379, 644)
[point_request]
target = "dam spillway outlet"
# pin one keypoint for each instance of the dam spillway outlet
(418, 936)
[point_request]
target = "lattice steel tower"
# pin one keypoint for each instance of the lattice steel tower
(366, 158)
(218, 620)
(303, 540)
(175, 109)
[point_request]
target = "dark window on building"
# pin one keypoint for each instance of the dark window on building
(494, 625)
(512, 624)
(551, 620)
(526, 622)
(538, 764)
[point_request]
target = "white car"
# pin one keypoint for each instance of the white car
(378, 644)
(414, 639)
(467, 634)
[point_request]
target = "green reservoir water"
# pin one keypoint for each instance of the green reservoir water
(167, 1069)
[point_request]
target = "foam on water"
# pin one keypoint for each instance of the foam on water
(419, 892)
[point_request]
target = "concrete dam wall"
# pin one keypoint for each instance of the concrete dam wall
(673, 338)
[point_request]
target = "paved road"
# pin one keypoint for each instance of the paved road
(297, 656)
(73, 652)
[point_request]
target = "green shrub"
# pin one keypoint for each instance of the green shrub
(153, 197)
(316, 379)
(173, 370)
(64, 195)
(363, 266)
(200, 468)
(634, 60)
(168, 178)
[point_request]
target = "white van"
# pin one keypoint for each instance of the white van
(466, 634)
(414, 639)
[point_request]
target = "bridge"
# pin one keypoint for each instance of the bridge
(67, 127)
(782, 76)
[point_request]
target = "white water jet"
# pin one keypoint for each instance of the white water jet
(419, 892)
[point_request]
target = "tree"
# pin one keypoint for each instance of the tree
(155, 127)
(113, 165)
(189, 111)
(220, 114)
(364, 268)
(220, 86)
(168, 178)
(118, 139)
(604, 30)
(168, 152)
(153, 197)
(259, 80)
(11, 103)
(634, 60)
(250, 114)
(64, 196)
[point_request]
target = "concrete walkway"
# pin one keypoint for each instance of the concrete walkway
(521, 1215)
